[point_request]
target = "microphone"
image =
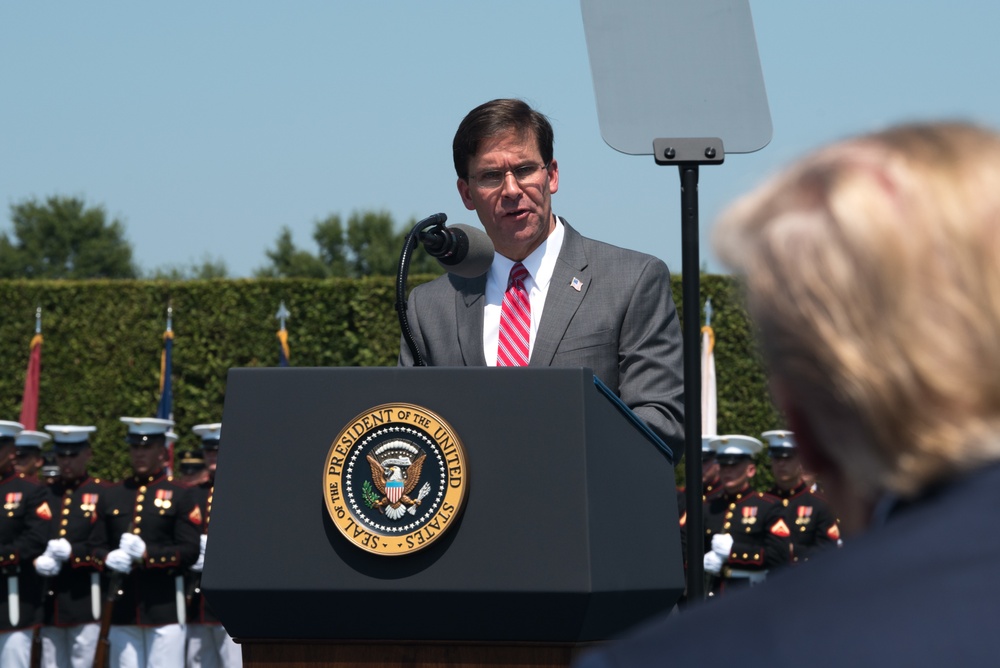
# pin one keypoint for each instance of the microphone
(460, 249)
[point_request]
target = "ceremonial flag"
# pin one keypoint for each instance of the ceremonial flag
(29, 401)
(709, 407)
(165, 410)
(283, 354)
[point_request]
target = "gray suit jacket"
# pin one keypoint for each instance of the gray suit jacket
(622, 323)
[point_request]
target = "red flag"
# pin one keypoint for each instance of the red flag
(29, 403)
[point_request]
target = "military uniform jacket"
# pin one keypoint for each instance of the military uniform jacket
(810, 520)
(198, 610)
(757, 524)
(162, 513)
(71, 601)
(24, 533)
(709, 490)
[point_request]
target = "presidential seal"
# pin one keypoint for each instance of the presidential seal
(395, 479)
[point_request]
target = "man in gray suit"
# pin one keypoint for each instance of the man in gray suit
(591, 304)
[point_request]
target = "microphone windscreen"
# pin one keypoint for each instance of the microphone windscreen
(478, 259)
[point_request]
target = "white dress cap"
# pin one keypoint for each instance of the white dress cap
(779, 438)
(31, 439)
(209, 432)
(10, 429)
(147, 426)
(70, 433)
(736, 445)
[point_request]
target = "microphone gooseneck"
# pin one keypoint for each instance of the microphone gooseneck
(461, 250)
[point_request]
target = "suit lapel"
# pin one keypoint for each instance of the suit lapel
(469, 307)
(562, 299)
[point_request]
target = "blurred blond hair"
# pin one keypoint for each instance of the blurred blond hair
(872, 270)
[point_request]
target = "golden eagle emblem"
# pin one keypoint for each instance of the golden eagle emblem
(396, 467)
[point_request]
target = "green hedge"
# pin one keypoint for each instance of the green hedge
(100, 358)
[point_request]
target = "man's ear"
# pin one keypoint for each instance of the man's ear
(465, 191)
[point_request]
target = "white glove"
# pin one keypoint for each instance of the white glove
(119, 560)
(133, 546)
(59, 549)
(722, 545)
(713, 563)
(47, 566)
(200, 564)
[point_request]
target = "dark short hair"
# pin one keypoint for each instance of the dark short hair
(494, 118)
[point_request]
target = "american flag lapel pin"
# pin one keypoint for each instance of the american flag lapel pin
(576, 284)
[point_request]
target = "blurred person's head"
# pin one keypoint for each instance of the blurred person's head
(786, 465)
(28, 457)
(871, 270)
(735, 454)
(147, 441)
(191, 467)
(8, 451)
(709, 462)
(71, 450)
(211, 436)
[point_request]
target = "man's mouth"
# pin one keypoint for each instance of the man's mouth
(516, 213)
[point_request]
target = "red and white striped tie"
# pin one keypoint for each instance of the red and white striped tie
(515, 321)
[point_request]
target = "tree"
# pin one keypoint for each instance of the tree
(209, 268)
(62, 238)
(368, 246)
(287, 261)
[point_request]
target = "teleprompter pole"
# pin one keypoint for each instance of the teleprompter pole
(688, 155)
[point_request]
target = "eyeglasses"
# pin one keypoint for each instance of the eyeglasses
(524, 175)
(67, 455)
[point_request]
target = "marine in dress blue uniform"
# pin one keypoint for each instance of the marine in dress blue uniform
(24, 530)
(746, 533)
(209, 646)
(148, 529)
(73, 603)
(813, 525)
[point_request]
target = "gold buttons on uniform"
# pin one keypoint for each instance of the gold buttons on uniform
(138, 508)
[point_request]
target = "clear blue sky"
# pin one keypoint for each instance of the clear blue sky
(207, 126)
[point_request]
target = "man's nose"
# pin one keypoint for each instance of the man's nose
(511, 188)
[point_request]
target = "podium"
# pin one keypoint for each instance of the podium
(568, 534)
